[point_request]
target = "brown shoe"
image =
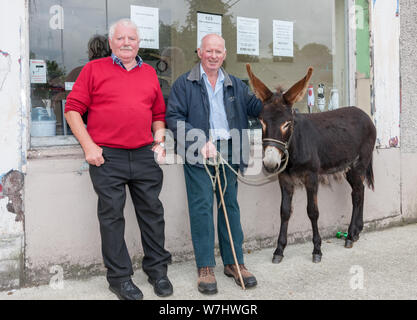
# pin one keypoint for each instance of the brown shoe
(207, 283)
(248, 278)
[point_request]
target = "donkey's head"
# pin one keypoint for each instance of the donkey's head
(277, 117)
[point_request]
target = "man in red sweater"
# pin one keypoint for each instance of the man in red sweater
(125, 106)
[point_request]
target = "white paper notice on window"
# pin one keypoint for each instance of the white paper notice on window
(147, 20)
(208, 23)
(283, 33)
(37, 71)
(68, 86)
(248, 36)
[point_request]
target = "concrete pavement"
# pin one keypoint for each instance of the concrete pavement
(381, 265)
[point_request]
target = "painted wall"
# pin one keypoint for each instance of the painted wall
(13, 129)
(363, 57)
(62, 227)
(408, 55)
(385, 30)
(363, 63)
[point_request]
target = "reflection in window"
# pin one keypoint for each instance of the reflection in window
(59, 35)
(60, 32)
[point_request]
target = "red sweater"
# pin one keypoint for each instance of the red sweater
(121, 104)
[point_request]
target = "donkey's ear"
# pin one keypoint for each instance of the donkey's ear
(297, 91)
(258, 87)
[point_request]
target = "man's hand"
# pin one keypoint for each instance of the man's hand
(160, 153)
(209, 150)
(94, 155)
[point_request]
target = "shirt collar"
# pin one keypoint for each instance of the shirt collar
(120, 63)
(220, 77)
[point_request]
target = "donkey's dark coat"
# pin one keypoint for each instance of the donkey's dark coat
(322, 143)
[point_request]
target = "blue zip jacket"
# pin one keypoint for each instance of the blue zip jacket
(188, 114)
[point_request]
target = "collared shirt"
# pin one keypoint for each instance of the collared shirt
(218, 119)
(120, 63)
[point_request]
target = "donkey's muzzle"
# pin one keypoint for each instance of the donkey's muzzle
(272, 159)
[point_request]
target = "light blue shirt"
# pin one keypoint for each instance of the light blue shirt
(218, 119)
(120, 63)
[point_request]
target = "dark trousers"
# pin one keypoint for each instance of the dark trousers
(200, 206)
(138, 170)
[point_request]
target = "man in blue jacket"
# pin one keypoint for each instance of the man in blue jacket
(207, 111)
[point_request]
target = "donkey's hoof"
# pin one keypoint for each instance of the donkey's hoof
(277, 259)
(316, 258)
(348, 244)
(355, 238)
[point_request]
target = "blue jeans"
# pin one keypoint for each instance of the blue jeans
(200, 207)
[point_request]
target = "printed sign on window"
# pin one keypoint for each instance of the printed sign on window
(208, 23)
(147, 20)
(283, 33)
(68, 86)
(37, 71)
(247, 36)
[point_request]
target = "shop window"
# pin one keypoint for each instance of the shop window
(279, 38)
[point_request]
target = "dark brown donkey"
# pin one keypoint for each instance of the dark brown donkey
(314, 144)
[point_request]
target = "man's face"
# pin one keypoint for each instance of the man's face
(125, 42)
(212, 53)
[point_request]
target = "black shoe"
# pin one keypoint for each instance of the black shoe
(162, 287)
(126, 290)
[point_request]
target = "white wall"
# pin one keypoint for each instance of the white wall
(13, 131)
(385, 29)
(62, 226)
(408, 52)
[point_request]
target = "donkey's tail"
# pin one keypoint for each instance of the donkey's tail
(369, 175)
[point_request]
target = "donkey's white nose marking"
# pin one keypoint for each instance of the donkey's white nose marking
(272, 157)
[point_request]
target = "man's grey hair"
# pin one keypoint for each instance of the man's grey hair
(211, 34)
(124, 22)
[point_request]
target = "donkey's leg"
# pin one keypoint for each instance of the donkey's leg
(311, 183)
(355, 177)
(287, 191)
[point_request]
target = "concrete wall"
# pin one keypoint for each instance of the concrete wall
(13, 132)
(62, 227)
(408, 56)
(385, 33)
